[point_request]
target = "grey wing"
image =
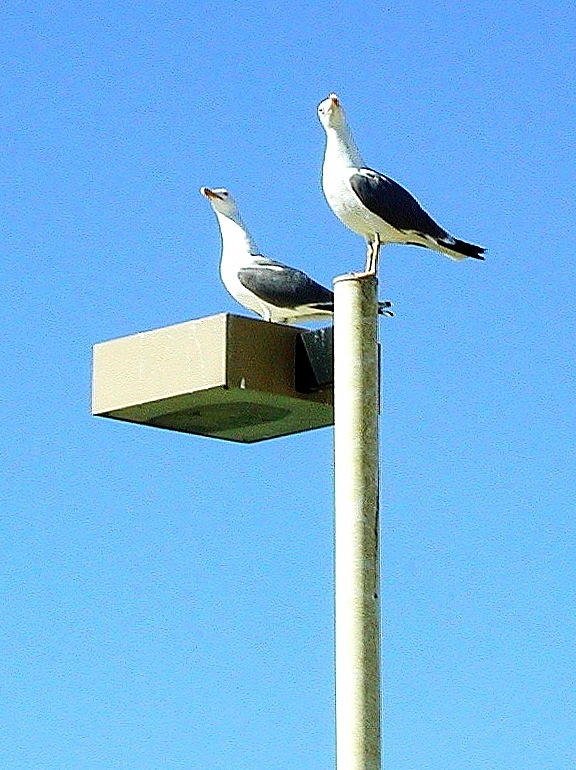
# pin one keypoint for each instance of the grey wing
(283, 286)
(392, 203)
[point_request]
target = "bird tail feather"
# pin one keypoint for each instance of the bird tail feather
(464, 248)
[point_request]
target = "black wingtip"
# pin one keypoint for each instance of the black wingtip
(468, 249)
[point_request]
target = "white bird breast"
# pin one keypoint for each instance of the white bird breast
(229, 274)
(351, 212)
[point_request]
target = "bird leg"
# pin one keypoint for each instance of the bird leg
(373, 252)
(265, 313)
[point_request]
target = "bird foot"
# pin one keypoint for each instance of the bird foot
(384, 309)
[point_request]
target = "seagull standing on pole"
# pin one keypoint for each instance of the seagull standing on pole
(275, 291)
(373, 205)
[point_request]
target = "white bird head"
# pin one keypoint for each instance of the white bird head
(228, 215)
(331, 113)
(222, 201)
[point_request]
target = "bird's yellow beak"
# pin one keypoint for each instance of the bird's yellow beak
(207, 192)
(335, 100)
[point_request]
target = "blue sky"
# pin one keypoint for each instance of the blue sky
(166, 600)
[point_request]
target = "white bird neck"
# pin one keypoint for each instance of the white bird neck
(235, 237)
(341, 148)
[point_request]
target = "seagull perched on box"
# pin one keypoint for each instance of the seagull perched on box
(275, 291)
(373, 205)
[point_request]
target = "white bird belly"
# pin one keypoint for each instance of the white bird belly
(350, 211)
(229, 274)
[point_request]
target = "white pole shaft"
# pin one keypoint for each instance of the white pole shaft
(356, 402)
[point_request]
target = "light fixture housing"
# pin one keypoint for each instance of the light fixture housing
(224, 376)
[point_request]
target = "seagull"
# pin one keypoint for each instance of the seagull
(271, 289)
(373, 205)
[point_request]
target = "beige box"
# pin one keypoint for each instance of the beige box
(224, 376)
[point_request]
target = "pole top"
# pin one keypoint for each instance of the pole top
(356, 277)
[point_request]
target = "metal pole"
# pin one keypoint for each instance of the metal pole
(356, 401)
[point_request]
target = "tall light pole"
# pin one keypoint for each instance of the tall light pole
(356, 407)
(236, 378)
